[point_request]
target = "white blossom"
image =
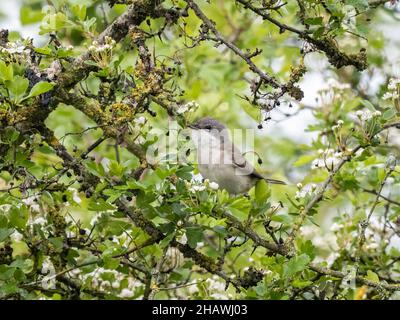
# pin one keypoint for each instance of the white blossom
(215, 285)
(192, 288)
(183, 239)
(388, 95)
(31, 202)
(200, 245)
(140, 121)
(309, 231)
(328, 159)
(336, 227)
(372, 246)
(377, 113)
(14, 47)
(333, 83)
(16, 236)
(197, 188)
(182, 109)
(393, 83)
(214, 186)
(220, 296)
(192, 105)
(40, 221)
(331, 258)
(126, 293)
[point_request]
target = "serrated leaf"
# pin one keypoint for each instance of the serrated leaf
(10, 135)
(194, 235)
(19, 216)
(295, 265)
(99, 205)
(185, 172)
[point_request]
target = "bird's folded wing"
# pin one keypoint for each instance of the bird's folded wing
(244, 167)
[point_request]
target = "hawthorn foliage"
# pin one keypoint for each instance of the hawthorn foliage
(92, 206)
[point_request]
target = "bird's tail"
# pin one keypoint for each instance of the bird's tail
(274, 181)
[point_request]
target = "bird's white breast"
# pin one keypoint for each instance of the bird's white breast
(215, 162)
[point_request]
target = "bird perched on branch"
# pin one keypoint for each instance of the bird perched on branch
(220, 161)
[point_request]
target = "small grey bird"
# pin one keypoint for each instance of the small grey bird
(220, 161)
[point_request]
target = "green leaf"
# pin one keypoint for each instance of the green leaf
(314, 21)
(372, 276)
(295, 265)
(110, 263)
(308, 248)
(10, 135)
(282, 218)
(6, 272)
(368, 105)
(18, 87)
(358, 4)
(6, 71)
(19, 216)
(185, 172)
(302, 160)
(389, 114)
(262, 192)
(99, 205)
(194, 235)
(300, 283)
(79, 11)
(5, 233)
(44, 50)
(135, 185)
(29, 16)
(58, 243)
(40, 88)
(95, 168)
(166, 241)
(53, 22)
(26, 265)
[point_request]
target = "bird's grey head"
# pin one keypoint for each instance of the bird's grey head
(207, 124)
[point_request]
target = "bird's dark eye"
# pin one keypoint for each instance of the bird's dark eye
(207, 127)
